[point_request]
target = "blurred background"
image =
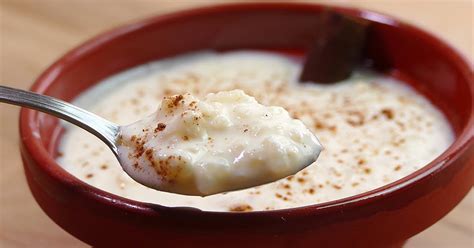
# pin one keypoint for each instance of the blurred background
(34, 33)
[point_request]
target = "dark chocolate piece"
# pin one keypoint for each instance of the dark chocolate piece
(336, 50)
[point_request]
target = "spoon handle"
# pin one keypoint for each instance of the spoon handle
(100, 127)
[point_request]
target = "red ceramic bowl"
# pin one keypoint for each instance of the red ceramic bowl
(386, 216)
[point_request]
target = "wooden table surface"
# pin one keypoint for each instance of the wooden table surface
(35, 33)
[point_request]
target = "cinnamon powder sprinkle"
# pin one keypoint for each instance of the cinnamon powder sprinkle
(177, 99)
(397, 168)
(139, 146)
(241, 208)
(90, 175)
(388, 113)
(336, 186)
(160, 127)
(355, 118)
(318, 125)
(149, 154)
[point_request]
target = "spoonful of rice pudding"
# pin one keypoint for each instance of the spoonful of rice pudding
(224, 142)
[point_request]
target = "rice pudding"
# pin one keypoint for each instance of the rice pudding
(374, 129)
(224, 142)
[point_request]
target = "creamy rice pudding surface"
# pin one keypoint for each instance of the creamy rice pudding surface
(374, 129)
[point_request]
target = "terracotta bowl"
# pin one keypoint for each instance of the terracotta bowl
(384, 217)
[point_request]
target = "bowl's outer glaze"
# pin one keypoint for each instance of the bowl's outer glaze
(383, 217)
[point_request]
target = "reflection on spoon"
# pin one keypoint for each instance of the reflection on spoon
(226, 142)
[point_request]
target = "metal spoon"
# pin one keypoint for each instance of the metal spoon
(100, 127)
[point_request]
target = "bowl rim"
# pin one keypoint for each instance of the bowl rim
(30, 138)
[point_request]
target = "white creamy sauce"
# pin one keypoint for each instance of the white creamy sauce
(374, 129)
(226, 141)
